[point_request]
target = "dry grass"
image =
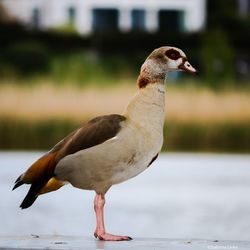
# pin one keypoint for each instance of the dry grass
(43, 102)
(207, 106)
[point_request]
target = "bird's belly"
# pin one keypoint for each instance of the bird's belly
(100, 167)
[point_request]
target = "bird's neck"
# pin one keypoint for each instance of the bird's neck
(151, 72)
(147, 107)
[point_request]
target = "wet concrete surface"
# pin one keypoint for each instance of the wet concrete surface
(76, 243)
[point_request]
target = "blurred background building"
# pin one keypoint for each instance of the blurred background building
(107, 15)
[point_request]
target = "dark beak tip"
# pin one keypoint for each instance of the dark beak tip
(192, 71)
(196, 73)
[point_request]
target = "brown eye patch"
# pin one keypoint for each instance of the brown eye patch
(173, 54)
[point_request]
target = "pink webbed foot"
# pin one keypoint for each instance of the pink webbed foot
(100, 232)
(111, 237)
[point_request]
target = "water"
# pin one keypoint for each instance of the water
(180, 196)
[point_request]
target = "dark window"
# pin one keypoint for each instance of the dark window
(138, 19)
(105, 20)
(71, 15)
(171, 20)
(36, 18)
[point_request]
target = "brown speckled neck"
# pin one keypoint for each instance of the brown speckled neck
(143, 81)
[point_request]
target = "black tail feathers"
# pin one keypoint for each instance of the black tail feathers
(31, 196)
(18, 183)
(28, 201)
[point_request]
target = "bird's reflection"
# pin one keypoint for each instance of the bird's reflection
(100, 244)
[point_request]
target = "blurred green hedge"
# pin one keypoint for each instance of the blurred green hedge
(27, 53)
(223, 137)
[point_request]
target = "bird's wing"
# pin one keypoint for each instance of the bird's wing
(95, 132)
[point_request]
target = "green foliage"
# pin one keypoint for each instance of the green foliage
(84, 67)
(27, 57)
(217, 59)
(225, 15)
(223, 137)
(220, 11)
(68, 57)
(16, 134)
(67, 28)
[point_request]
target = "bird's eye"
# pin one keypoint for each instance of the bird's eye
(173, 54)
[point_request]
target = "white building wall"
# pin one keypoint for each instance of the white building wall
(54, 12)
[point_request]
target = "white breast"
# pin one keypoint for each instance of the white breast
(145, 115)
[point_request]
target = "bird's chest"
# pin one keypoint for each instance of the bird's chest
(142, 147)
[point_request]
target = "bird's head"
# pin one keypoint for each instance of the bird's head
(160, 62)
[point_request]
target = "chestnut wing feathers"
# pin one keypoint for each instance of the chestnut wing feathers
(95, 132)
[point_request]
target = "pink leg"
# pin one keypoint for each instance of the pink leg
(100, 232)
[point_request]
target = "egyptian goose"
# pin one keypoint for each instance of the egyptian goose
(113, 148)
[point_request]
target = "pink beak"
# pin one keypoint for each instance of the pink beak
(186, 66)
